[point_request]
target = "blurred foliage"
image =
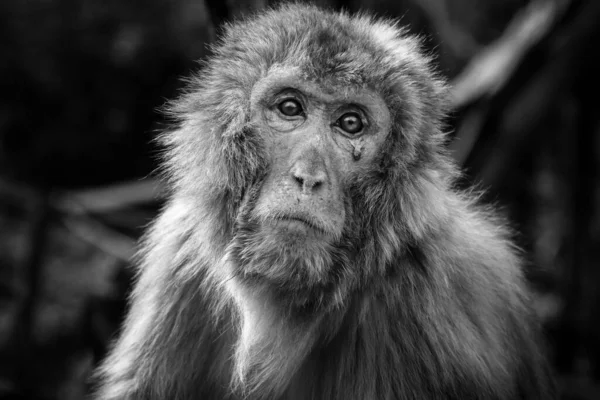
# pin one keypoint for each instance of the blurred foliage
(81, 82)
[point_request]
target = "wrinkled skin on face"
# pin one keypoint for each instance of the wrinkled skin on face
(319, 139)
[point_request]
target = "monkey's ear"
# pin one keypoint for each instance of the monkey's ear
(215, 98)
(211, 145)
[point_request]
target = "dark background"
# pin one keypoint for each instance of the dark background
(80, 84)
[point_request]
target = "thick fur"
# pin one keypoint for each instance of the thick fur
(428, 300)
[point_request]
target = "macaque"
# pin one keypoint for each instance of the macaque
(314, 244)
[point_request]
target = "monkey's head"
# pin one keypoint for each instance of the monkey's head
(311, 145)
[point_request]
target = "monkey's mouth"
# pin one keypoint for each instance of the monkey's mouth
(299, 222)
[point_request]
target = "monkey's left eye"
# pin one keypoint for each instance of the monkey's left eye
(350, 123)
(290, 107)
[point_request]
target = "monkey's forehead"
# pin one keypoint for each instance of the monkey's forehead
(352, 50)
(324, 90)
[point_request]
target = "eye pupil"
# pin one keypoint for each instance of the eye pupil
(351, 123)
(290, 108)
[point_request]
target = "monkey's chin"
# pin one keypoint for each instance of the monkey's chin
(289, 258)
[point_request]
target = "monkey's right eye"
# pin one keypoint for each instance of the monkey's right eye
(290, 108)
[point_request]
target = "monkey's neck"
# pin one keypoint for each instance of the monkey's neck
(350, 345)
(286, 356)
(271, 346)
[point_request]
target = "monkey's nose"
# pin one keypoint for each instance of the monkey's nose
(307, 181)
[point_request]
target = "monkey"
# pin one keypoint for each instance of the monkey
(314, 244)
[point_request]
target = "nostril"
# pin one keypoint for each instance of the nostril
(308, 180)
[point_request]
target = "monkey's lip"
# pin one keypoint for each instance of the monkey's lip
(303, 220)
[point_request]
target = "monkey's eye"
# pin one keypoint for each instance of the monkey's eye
(290, 107)
(350, 123)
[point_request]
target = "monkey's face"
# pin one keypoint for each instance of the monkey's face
(308, 144)
(318, 137)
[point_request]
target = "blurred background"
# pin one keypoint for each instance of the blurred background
(80, 84)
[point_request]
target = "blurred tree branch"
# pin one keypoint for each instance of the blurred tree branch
(519, 91)
(491, 68)
(76, 210)
(109, 198)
